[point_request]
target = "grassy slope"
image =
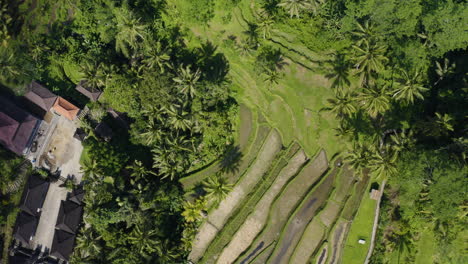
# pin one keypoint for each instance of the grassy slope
(361, 228)
(283, 105)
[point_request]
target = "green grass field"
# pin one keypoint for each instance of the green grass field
(361, 228)
(293, 106)
(284, 105)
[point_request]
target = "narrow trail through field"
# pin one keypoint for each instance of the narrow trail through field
(219, 216)
(255, 222)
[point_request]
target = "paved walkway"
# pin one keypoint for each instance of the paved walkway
(46, 227)
(68, 152)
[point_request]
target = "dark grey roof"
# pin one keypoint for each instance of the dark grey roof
(104, 131)
(34, 195)
(69, 216)
(92, 94)
(62, 245)
(76, 195)
(16, 126)
(26, 225)
(80, 134)
(40, 96)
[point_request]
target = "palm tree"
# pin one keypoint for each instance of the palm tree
(170, 163)
(179, 118)
(216, 188)
(272, 76)
(130, 32)
(344, 130)
(193, 211)
(383, 163)
(9, 68)
(90, 168)
(244, 48)
(370, 59)
(444, 70)
(252, 34)
(339, 71)
(360, 155)
(152, 133)
(187, 80)
(157, 58)
(5, 20)
(94, 75)
(444, 123)
(265, 25)
(342, 105)
(88, 244)
(139, 171)
(375, 101)
(294, 7)
(409, 88)
(364, 32)
(402, 140)
(168, 253)
(145, 241)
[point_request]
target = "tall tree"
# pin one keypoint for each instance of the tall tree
(90, 168)
(146, 241)
(157, 58)
(360, 155)
(295, 7)
(409, 88)
(375, 100)
(216, 188)
(383, 163)
(342, 105)
(94, 75)
(265, 25)
(370, 59)
(339, 71)
(187, 80)
(130, 32)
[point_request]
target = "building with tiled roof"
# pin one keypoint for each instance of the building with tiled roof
(17, 127)
(39, 99)
(65, 108)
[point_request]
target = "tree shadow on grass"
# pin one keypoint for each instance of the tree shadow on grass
(230, 161)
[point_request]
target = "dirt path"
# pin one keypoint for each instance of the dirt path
(255, 222)
(245, 185)
(295, 228)
(376, 223)
(282, 207)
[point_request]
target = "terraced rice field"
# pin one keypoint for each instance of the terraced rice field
(291, 206)
(283, 208)
(220, 215)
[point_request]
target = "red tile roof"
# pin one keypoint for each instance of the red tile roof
(65, 108)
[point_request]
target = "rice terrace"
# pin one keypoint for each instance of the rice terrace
(233, 131)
